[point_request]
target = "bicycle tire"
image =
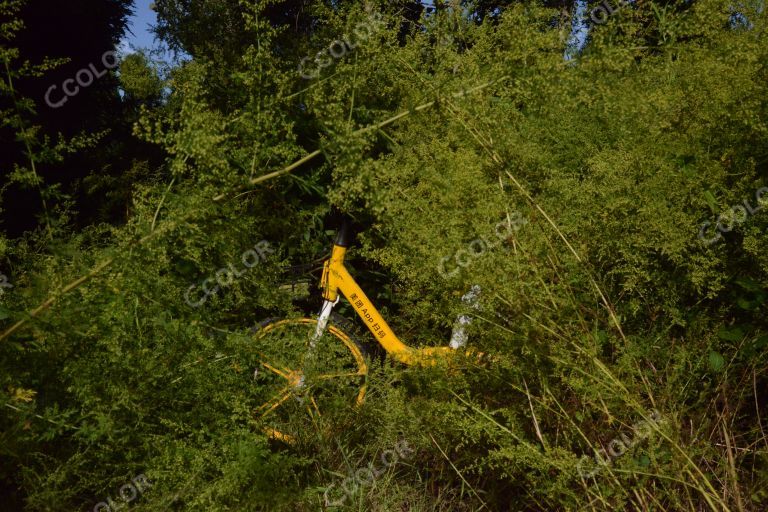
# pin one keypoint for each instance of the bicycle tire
(291, 375)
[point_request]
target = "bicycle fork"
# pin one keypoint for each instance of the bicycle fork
(322, 321)
(329, 282)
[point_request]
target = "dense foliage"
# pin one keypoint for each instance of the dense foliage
(591, 189)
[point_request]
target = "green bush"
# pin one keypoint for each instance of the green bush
(599, 301)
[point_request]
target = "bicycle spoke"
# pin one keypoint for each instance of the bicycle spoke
(276, 434)
(293, 378)
(277, 403)
(275, 370)
(339, 375)
(315, 405)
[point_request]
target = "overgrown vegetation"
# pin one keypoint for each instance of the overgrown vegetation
(605, 310)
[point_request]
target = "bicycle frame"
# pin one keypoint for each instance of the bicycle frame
(337, 280)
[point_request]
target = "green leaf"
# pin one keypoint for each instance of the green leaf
(755, 347)
(748, 284)
(745, 304)
(711, 201)
(716, 361)
(734, 334)
(761, 342)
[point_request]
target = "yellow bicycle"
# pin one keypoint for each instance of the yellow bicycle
(307, 365)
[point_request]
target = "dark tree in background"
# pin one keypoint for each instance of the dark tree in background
(79, 32)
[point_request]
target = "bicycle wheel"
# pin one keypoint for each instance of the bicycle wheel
(293, 379)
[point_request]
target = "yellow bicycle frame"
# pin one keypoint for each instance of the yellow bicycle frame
(336, 278)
